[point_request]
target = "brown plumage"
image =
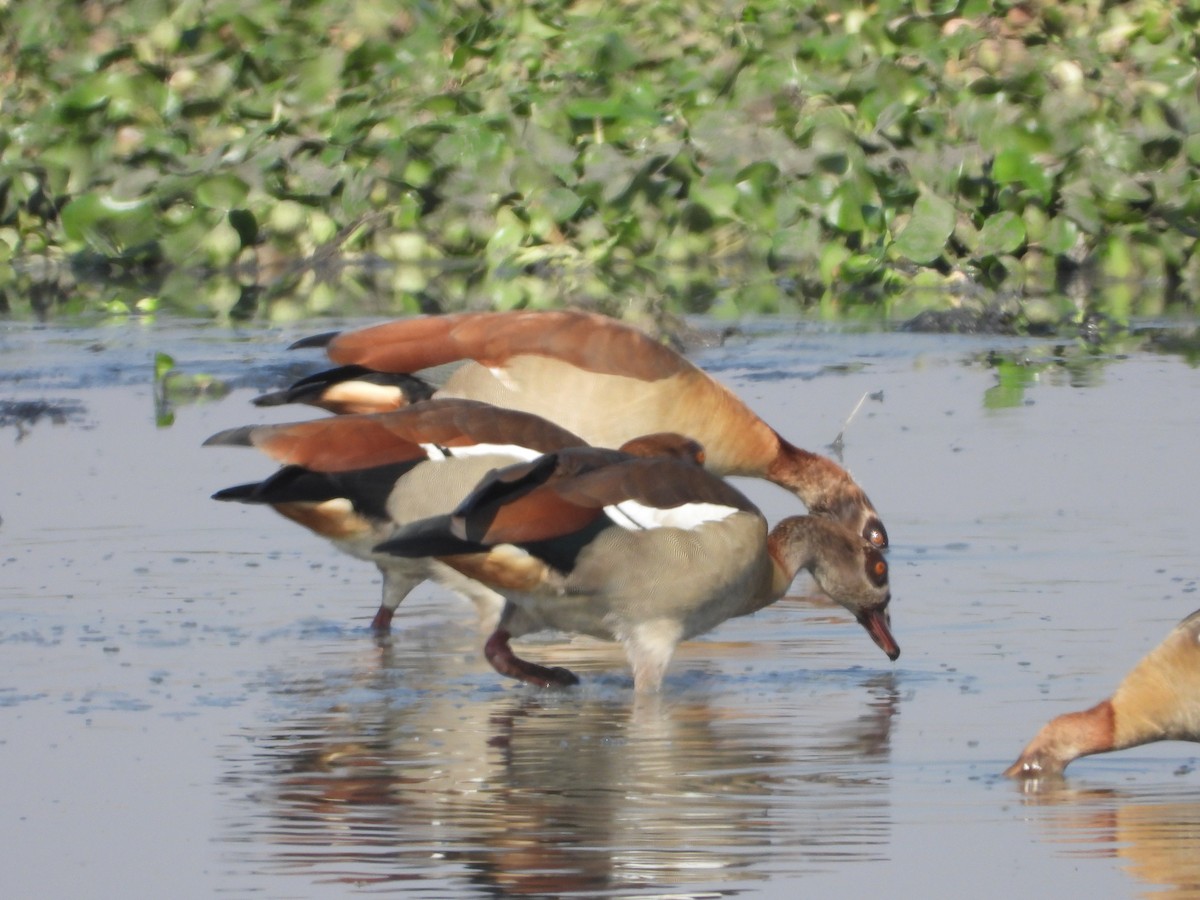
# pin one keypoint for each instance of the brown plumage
(351, 442)
(354, 479)
(1158, 701)
(644, 551)
(608, 383)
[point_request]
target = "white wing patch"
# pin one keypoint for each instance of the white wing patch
(639, 517)
(363, 392)
(518, 454)
(501, 375)
(509, 553)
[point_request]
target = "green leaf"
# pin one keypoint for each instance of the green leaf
(318, 77)
(832, 258)
(87, 96)
(109, 224)
(1116, 259)
(1191, 146)
(924, 236)
(763, 175)
(595, 108)
(247, 30)
(1124, 189)
(163, 363)
(507, 236)
(1014, 165)
(1081, 207)
(561, 203)
(845, 210)
(1002, 233)
(860, 267)
(223, 191)
(1061, 235)
(718, 197)
(799, 241)
(1012, 379)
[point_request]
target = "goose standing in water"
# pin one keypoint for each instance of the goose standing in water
(644, 551)
(1158, 701)
(354, 479)
(601, 379)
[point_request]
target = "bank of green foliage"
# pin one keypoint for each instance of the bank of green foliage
(254, 157)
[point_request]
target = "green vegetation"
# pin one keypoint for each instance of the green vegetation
(173, 387)
(263, 158)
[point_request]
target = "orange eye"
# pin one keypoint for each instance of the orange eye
(875, 534)
(877, 569)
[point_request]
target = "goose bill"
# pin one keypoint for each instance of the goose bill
(878, 625)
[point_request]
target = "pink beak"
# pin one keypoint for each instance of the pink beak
(878, 625)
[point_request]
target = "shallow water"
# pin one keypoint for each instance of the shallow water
(191, 704)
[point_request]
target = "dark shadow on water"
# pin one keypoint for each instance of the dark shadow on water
(22, 415)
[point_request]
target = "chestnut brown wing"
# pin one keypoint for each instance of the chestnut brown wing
(563, 493)
(345, 443)
(591, 342)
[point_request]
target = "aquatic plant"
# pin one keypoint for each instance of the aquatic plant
(286, 159)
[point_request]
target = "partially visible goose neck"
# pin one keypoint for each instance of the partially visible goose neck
(793, 545)
(827, 490)
(1066, 738)
(807, 475)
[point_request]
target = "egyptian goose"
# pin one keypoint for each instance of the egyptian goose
(644, 551)
(603, 380)
(354, 479)
(1158, 701)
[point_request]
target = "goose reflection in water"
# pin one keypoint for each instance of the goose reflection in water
(534, 793)
(1154, 832)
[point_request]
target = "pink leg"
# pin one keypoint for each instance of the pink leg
(382, 623)
(504, 661)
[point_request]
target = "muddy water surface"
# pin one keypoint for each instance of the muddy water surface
(191, 704)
